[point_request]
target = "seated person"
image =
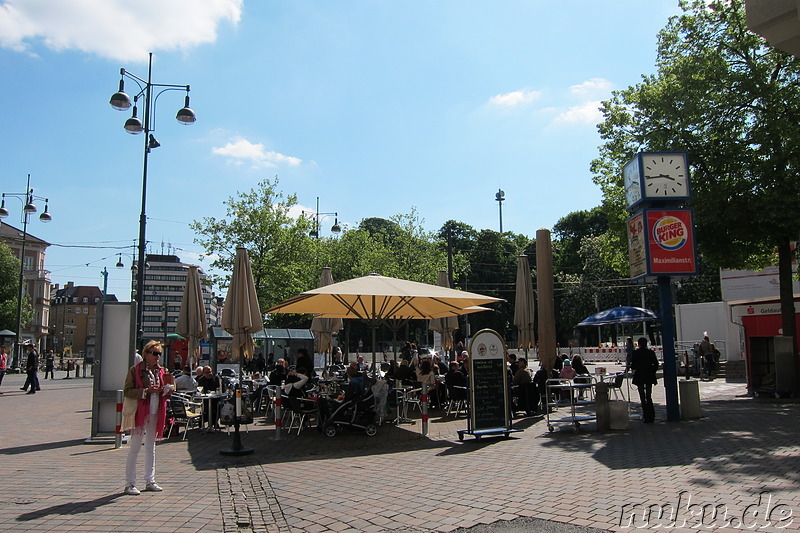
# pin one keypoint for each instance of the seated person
(198, 373)
(522, 376)
(439, 366)
(464, 363)
(355, 377)
(278, 374)
(208, 382)
(425, 374)
(361, 364)
(582, 373)
(185, 381)
(403, 374)
(295, 381)
(454, 376)
(567, 372)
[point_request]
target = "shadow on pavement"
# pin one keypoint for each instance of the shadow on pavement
(70, 508)
(41, 447)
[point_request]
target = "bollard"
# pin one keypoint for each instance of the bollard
(424, 400)
(118, 433)
(278, 416)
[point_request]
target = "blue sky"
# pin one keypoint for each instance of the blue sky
(374, 106)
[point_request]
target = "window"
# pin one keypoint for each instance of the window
(85, 299)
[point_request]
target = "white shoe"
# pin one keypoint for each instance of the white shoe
(153, 487)
(133, 491)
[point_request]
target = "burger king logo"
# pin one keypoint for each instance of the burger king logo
(670, 233)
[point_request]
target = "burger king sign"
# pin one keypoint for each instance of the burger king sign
(670, 242)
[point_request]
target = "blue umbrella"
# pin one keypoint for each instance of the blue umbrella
(620, 315)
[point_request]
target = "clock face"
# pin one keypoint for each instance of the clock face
(631, 181)
(665, 175)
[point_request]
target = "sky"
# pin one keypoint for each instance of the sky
(374, 107)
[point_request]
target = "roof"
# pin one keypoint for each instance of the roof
(13, 234)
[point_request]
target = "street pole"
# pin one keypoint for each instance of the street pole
(668, 345)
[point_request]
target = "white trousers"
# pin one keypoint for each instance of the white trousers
(148, 433)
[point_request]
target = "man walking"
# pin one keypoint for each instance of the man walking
(644, 364)
(32, 369)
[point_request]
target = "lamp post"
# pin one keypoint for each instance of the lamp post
(500, 197)
(27, 198)
(336, 228)
(134, 125)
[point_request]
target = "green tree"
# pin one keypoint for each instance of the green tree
(733, 102)
(278, 246)
(9, 292)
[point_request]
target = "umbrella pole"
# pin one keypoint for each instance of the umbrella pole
(374, 347)
(236, 448)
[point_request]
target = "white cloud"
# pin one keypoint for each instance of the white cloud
(115, 29)
(242, 150)
(591, 87)
(514, 98)
(588, 113)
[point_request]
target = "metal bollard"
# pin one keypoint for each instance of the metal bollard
(278, 416)
(118, 432)
(424, 409)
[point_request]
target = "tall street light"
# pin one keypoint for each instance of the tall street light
(134, 125)
(336, 228)
(500, 197)
(27, 198)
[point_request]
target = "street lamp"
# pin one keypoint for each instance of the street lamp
(500, 197)
(27, 198)
(134, 125)
(336, 228)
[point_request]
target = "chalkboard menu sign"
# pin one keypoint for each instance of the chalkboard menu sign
(488, 381)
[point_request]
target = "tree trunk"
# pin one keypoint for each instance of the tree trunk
(787, 301)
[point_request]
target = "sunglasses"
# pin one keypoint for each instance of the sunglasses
(155, 353)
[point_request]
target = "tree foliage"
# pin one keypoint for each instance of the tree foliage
(732, 102)
(9, 292)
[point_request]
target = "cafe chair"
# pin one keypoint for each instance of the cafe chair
(301, 410)
(457, 399)
(615, 386)
(184, 412)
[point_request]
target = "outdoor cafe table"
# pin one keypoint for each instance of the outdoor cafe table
(208, 402)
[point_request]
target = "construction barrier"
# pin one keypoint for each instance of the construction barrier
(424, 400)
(118, 431)
(278, 415)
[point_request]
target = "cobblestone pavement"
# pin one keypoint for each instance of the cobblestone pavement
(743, 456)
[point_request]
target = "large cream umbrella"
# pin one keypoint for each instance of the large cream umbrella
(524, 305)
(445, 326)
(324, 328)
(241, 317)
(375, 298)
(192, 317)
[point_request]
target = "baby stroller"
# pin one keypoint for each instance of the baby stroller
(356, 411)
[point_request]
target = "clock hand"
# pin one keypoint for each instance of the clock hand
(658, 176)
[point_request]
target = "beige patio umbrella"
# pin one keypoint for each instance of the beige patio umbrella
(241, 316)
(444, 326)
(375, 298)
(324, 328)
(192, 316)
(524, 305)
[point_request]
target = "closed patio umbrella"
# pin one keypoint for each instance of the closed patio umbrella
(324, 328)
(447, 325)
(524, 305)
(191, 323)
(241, 317)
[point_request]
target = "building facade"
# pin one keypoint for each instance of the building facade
(165, 279)
(73, 319)
(35, 280)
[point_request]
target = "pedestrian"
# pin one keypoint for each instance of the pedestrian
(32, 369)
(706, 354)
(3, 362)
(70, 368)
(644, 364)
(149, 385)
(629, 349)
(49, 364)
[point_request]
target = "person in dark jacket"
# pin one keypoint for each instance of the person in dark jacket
(305, 362)
(644, 364)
